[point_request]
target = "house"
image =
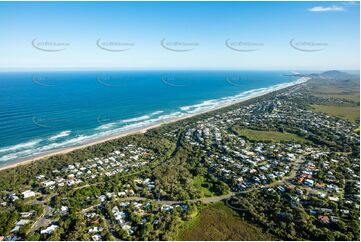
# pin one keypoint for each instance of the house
(102, 198)
(13, 197)
(281, 189)
(308, 182)
(15, 229)
(324, 219)
(334, 199)
(335, 219)
(95, 230)
(322, 195)
(22, 222)
(130, 192)
(119, 216)
(299, 191)
(326, 210)
(49, 229)
(26, 214)
(28, 194)
(128, 228)
(48, 183)
(39, 177)
(109, 194)
(121, 194)
(167, 208)
(313, 212)
(12, 238)
(345, 211)
(64, 209)
(71, 167)
(96, 237)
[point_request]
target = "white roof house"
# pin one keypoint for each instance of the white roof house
(28, 194)
(22, 222)
(64, 209)
(49, 229)
(48, 183)
(96, 237)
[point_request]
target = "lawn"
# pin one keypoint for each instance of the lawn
(257, 135)
(219, 222)
(350, 113)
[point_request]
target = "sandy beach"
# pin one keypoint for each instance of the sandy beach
(28, 160)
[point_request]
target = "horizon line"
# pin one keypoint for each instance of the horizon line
(166, 69)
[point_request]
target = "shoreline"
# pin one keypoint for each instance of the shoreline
(142, 130)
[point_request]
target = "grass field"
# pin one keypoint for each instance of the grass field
(219, 222)
(350, 113)
(349, 91)
(336, 92)
(200, 183)
(257, 135)
(348, 96)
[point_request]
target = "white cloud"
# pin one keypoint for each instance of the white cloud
(333, 8)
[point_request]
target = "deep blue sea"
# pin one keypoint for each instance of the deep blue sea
(44, 111)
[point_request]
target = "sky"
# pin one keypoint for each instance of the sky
(180, 35)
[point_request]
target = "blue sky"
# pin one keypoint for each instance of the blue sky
(267, 35)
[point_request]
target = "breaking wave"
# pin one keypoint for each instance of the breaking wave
(20, 146)
(60, 135)
(39, 146)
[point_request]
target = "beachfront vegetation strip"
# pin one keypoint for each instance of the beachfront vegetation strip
(302, 183)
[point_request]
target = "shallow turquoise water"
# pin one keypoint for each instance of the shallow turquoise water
(43, 111)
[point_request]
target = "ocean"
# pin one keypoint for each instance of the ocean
(44, 111)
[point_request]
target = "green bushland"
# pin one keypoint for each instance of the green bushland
(219, 222)
(337, 92)
(273, 136)
(201, 184)
(350, 113)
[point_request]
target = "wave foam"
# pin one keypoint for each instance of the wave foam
(28, 149)
(106, 126)
(20, 146)
(217, 103)
(157, 112)
(60, 135)
(144, 117)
